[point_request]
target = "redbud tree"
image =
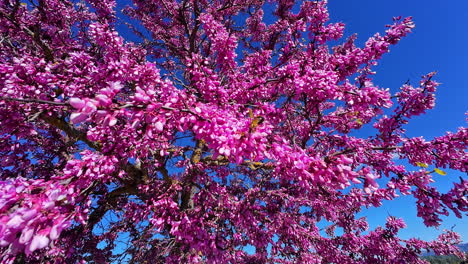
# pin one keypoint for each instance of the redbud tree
(209, 132)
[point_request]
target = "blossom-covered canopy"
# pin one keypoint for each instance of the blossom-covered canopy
(194, 131)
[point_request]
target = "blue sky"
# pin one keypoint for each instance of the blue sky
(438, 43)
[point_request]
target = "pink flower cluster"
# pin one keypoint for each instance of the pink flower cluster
(87, 107)
(33, 213)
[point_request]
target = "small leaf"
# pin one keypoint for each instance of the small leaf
(359, 121)
(257, 121)
(251, 113)
(420, 164)
(441, 172)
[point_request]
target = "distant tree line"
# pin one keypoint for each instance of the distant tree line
(446, 259)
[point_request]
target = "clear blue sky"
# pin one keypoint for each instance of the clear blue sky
(438, 43)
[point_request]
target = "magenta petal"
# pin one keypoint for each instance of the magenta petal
(26, 236)
(15, 222)
(38, 242)
(48, 205)
(112, 121)
(103, 100)
(29, 214)
(55, 232)
(78, 117)
(116, 86)
(159, 126)
(77, 102)
(4, 243)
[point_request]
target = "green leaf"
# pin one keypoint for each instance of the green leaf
(420, 164)
(359, 121)
(439, 171)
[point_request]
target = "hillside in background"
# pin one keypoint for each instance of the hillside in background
(464, 247)
(433, 259)
(445, 260)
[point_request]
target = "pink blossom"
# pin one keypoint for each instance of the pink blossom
(38, 242)
(78, 117)
(77, 103)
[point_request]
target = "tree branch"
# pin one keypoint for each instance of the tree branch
(32, 100)
(34, 35)
(72, 132)
(347, 151)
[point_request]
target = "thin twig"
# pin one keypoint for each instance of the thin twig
(32, 100)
